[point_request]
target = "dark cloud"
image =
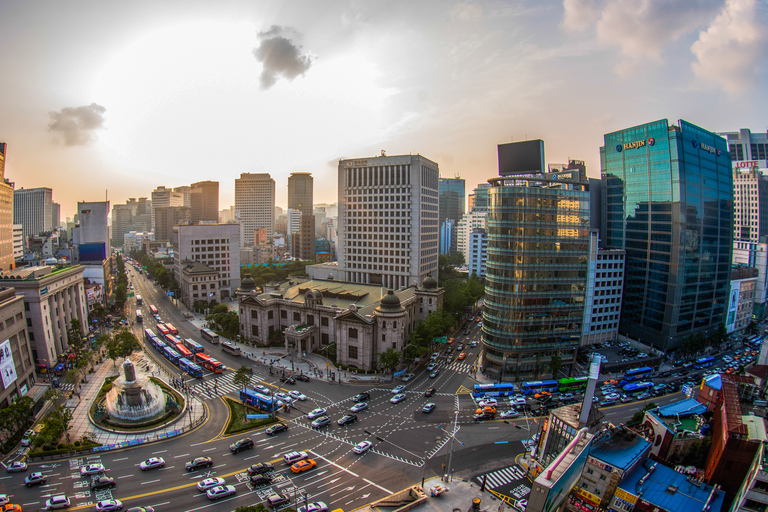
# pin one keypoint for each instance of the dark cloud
(280, 56)
(77, 124)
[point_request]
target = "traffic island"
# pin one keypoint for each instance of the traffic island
(402, 501)
(239, 421)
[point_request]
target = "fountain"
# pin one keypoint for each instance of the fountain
(134, 397)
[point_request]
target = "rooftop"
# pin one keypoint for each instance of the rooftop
(622, 449)
(759, 370)
(34, 273)
(685, 407)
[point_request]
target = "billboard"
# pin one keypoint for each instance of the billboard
(7, 367)
(93, 252)
(524, 157)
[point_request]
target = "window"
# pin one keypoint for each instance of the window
(352, 352)
(324, 338)
(324, 321)
(283, 314)
(353, 335)
(254, 314)
(269, 315)
(310, 320)
(296, 316)
(255, 330)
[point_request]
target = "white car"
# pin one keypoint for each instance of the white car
(262, 389)
(407, 377)
(641, 355)
(210, 483)
(518, 400)
(221, 491)
(316, 413)
(109, 505)
(398, 389)
(16, 467)
(297, 395)
(487, 401)
(612, 396)
(397, 398)
(318, 506)
(521, 505)
(56, 502)
(431, 366)
(284, 397)
(362, 447)
(566, 396)
(435, 355)
(4, 499)
(152, 463)
(510, 414)
(359, 407)
(92, 469)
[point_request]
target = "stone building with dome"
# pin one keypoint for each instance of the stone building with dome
(362, 320)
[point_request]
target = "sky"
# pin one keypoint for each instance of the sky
(105, 99)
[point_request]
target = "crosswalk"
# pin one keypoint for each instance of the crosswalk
(501, 477)
(456, 366)
(208, 391)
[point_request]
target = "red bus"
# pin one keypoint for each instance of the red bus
(184, 351)
(152, 309)
(162, 331)
(172, 340)
(171, 329)
(208, 363)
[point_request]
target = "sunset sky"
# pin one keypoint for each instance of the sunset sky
(100, 96)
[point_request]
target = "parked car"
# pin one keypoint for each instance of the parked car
(152, 463)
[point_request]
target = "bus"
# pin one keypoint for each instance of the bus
(256, 399)
(755, 341)
(148, 335)
(171, 355)
(572, 384)
(139, 318)
(704, 362)
(172, 340)
(191, 368)
(152, 309)
(537, 386)
(230, 348)
(209, 335)
(162, 331)
(209, 363)
(637, 387)
(193, 346)
(158, 343)
(138, 300)
(183, 351)
(643, 372)
(501, 389)
(171, 329)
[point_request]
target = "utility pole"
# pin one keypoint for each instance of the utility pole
(447, 476)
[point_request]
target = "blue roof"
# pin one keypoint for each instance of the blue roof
(714, 381)
(621, 450)
(688, 497)
(684, 407)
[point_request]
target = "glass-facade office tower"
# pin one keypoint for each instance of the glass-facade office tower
(669, 203)
(452, 192)
(536, 273)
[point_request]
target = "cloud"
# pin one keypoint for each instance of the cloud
(466, 11)
(579, 15)
(76, 125)
(280, 56)
(732, 51)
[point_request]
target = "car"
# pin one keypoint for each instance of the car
(449, 351)
(103, 482)
(4, 499)
(277, 499)
(56, 502)
(542, 394)
(109, 505)
(303, 465)
(302, 377)
(462, 356)
(408, 376)
(397, 398)
(316, 413)
(642, 355)
(359, 407)
(660, 386)
(290, 380)
(519, 400)
(428, 407)
(284, 397)
(198, 463)
(10, 507)
(435, 355)
(510, 414)
(606, 402)
(317, 506)
(92, 469)
(35, 478)
(221, 491)
(242, 444)
(297, 395)
(434, 374)
(487, 401)
(460, 347)
(430, 392)
(16, 467)
(466, 332)
(276, 428)
(152, 463)
(473, 344)
(26, 439)
(209, 483)
(487, 408)
(292, 457)
(362, 447)
(612, 396)
(625, 398)
(262, 389)
(485, 416)
(259, 480)
(566, 396)
(431, 366)
(260, 468)
(347, 419)
(361, 397)
(320, 422)
(398, 389)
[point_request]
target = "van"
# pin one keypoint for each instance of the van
(291, 457)
(760, 403)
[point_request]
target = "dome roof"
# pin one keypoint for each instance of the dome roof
(390, 303)
(429, 283)
(247, 284)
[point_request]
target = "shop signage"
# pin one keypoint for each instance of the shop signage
(635, 144)
(746, 164)
(624, 495)
(586, 495)
(357, 163)
(600, 464)
(709, 149)
(646, 506)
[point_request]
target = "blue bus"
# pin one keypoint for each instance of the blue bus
(255, 399)
(148, 334)
(171, 355)
(501, 389)
(158, 343)
(193, 346)
(191, 368)
(704, 362)
(755, 341)
(637, 387)
(537, 386)
(644, 372)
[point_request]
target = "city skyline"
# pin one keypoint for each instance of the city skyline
(100, 97)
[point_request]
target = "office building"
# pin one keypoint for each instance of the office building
(18, 242)
(134, 240)
(32, 208)
(300, 197)
(478, 199)
(747, 149)
(451, 206)
(93, 226)
(741, 302)
(215, 245)
(467, 224)
(7, 260)
(478, 252)
(162, 197)
(204, 201)
(536, 273)
(186, 194)
(166, 217)
(668, 193)
(448, 236)
(755, 255)
(388, 220)
(17, 370)
(750, 204)
(122, 221)
(199, 282)
(753, 493)
(255, 205)
(605, 285)
(55, 215)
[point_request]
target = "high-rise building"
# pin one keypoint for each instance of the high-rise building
(388, 220)
(168, 216)
(536, 273)
(668, 203)
(93, 227)
(186, 194)
(469, 222)
(6, 215)
(161, 197)
(478, 252)
(448, 236)
(300, 197)
(216, 245)
(255, 204)
(18, 242)
(747, 149)
(204, 201)
(55, 215)
(478, 199)
(755, 254)
(32, 208)
(750, 204)
(122, 221)
(18, 375)
(605, 285)
(452, 192)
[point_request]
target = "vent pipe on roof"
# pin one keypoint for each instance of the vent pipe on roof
(571, 446)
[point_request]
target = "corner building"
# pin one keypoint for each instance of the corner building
(669, 203)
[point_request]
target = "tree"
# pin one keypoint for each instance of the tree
(72, 377)
(242, 379)
(555, 364)
(252, 508)
(122, 344)
(389, 359)
(75, 335)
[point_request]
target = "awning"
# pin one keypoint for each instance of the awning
(59, 367)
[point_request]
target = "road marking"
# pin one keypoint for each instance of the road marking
(124, 458)
(124, 476)
(184, 455)
(209, 449)
(161, 451)
(150, 481)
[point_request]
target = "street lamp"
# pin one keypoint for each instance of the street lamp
(296, 491)
(447, 475)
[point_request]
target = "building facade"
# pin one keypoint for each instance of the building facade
(93, 224)
(255, 205)
(478, 252)
(18, 242)
(204, 201)
(17, 370)
(216, 245)
(300, 197)
(7, 260)
(388, 231)
(668, 203)
(162, 197)
(199, 282)
(605, 285)
(750, 204)
(468, 223)
(186, 194)
(32, 209)
(741, 300)
(747, 149)
(452, 192)
(755, 254)
(166, 217)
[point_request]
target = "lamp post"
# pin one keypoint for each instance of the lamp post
(447, 475)
(296, 491)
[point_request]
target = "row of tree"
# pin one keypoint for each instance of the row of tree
(158, 272)
(269, 272)
(225, 321)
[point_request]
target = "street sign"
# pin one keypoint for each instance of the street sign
(257, 416)
(442, 339)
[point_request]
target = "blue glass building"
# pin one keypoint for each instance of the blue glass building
(668, 203)
(452, 192)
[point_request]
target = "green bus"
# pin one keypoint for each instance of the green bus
(572, 384)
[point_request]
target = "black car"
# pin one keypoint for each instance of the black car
(260, 468)
(361, 397)
(290, 380)
(198, 463)
(303, 378)
(259, 480)
(466, 332)
(485, 416)
(347, 419)
(103, 482)
(275, 429)
(429, 392)
(243, 444)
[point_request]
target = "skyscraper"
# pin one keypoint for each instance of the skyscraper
(92, 217)
(186, 194)
(161, 197)
(300, 197)
(452, 192)
(204, 201)
(6, 215)
(32, 208)
(668, 202)
(478, 199)
(255, 204)
(388, 220)
(166, 217)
